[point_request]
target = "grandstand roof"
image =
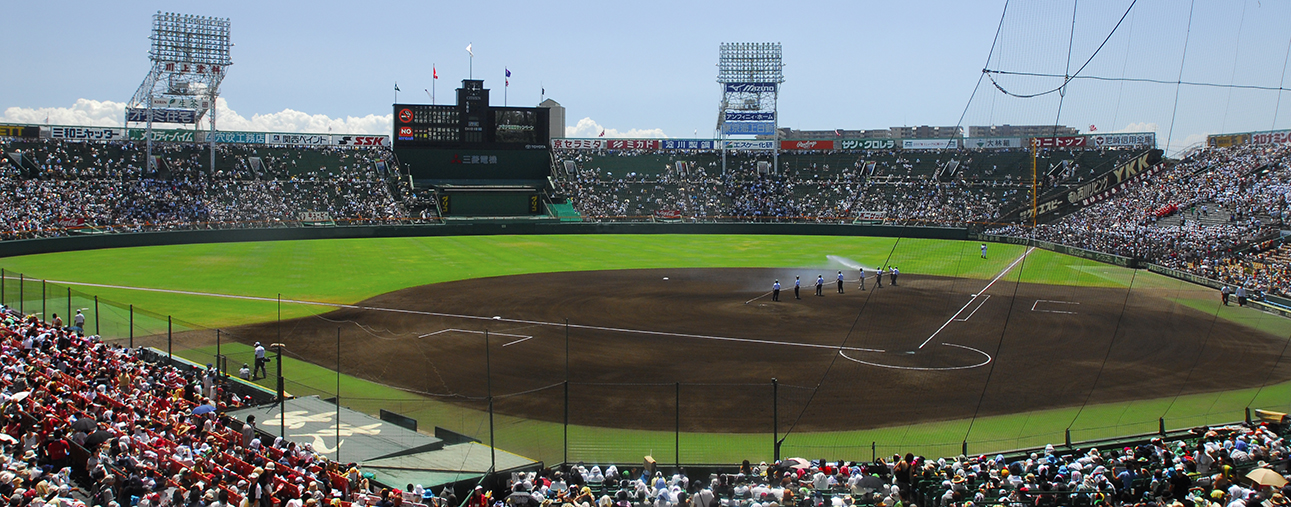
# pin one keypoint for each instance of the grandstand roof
(451, 464)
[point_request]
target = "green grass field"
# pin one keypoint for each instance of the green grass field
(348, 271)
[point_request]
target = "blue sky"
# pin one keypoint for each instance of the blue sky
(649, 68)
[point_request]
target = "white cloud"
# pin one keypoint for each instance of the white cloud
(1137, 127)
(93, 113)
(587, 127)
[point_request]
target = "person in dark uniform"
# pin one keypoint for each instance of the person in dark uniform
(895, 272)
(797, 285)
(840, 282)
(775, 291)
(820, 285)
(862, 278)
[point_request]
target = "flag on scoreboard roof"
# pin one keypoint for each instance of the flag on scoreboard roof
(508, 71)
(468, 50)
(508, 78)
(396, 86)
(434, 74)
(602, 133)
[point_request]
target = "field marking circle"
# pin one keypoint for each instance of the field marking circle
(926, 368)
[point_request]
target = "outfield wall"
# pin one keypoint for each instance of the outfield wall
(466, 228)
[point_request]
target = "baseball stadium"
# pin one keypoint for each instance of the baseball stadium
(474, 309)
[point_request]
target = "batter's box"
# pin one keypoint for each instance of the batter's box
(1051, 306)
(517, 337)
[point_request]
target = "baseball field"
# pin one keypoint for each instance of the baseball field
(667, 344)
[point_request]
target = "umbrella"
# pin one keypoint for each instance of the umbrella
(1267, 477)
(19, 396)
(869, 482)
(97, 438)
(797, 463)
(204, 409)
(86, 424)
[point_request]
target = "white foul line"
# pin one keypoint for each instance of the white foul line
(975, 309)
(478, 317)
(979, 293)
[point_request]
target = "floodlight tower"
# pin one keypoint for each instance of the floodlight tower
(190, 55)
(750, 74)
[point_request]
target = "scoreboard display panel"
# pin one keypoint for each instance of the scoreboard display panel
(472, 140)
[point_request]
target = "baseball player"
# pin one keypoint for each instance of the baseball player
(894, 274)
(820, 285)
(862, 278)
(840, 282)
(797, 285)
(983, 250)
(775, 291)
(878, 278)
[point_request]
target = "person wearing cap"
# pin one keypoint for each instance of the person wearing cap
(820, 285)
(894, 274)
(797, 286)
(244, 373)
(260, 363)
(78, 321)
(775, 291)
(840, 282)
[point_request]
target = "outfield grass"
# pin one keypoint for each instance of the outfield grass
(350, 270)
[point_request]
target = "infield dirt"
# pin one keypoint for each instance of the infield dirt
(662, 348)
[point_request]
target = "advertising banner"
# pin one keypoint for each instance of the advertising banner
(163, 135)
(687, 144)
(992, 143)
(361, 140)
(1225, 141)
(135, 114)
(750, 116)
(750, 87)
(299, 139)
(748, 127)
(182, 102)
(748, 145)
(87, 133)
(232, 137)
(19, 131)
(578, 144)
(867, 144)
(1059, 142)
(1129, 140)
(633, 144)
(929, 144)
(806, 145)
(1061, 202)
(1271, 137)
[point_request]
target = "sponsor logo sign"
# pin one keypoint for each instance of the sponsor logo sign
(163, 116)
(748, 145)
(474, 159)
(806, 145)
(299, 139)
(191, 68)
(929, 144)
(19, 131)
(169, 136)
(1062, 202)
(687, 144)
(667, 214)
(315, 216)
(89, 133)
(1228, 140)
(870, 215)
(71, 222)
(748, 127)
(633, 144)
(361, 140)
(182, 102)
(992, 143)
(1146, 139)
(1271, 137)
(750, 87)
(235, 137)
(578, 144)
(750, 116)
(867, 144)
(1059, 142)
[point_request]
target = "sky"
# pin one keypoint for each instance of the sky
(648, 69)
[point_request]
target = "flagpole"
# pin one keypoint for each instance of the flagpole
(470, 70)
(434, 78)
(506, 88)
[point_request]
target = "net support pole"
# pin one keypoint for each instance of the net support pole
(132, 326)
(1068, 438)
(282, 397)
(1161, 425)
(170, 349)
(338, 395)
(69, 304)
(22, 294)
(219, 358)
(44, 303)
(874, 448)
(96, 317)
(565, 441)
(3, 279)
(1248, 415)
(964, 448)
(488, 373)
(775, 419)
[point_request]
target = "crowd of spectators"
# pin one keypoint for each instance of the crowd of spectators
(1202, 469)
(87, 422)
(51, 187)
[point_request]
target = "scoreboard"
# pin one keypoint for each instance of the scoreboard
(472, 140)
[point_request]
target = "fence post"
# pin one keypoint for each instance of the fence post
(874, 447)
(1161, 425)
(170, 355)
(96, 317)
(69, 305)
(44, 303)
(775, 418)
(964, 449)
(132, 326)
(22, 294)
(1248, 415)
(219, 368)
(1069, 438)
(3, 279)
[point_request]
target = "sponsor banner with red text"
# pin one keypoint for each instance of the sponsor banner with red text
(340, 140)
(633, 144)
(806, 145)
(1060, 142)
(578, 144)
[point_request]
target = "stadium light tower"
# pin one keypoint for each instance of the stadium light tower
(750, 74)
(190, 55)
